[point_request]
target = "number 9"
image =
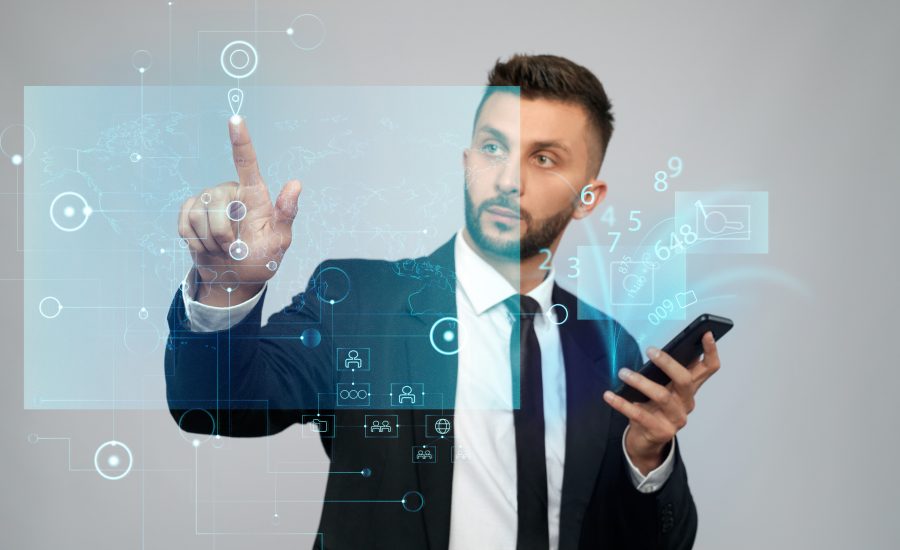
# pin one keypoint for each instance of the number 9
(675, 165)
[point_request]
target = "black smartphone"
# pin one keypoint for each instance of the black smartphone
(686, 347)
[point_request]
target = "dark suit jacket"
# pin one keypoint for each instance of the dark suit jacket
(257, 380)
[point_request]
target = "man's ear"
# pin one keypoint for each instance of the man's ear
(590, 195)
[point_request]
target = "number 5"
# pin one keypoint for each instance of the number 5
(632, 217)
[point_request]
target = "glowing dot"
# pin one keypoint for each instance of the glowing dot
(448, 335)
(141, 70)
(135, 157)
(289, 31)
(16, 159)
(113, 460)
(229, 289)
(235, 119)
(162, 250)
(331, 301)
(87, 210)
(68, 211)
(425, 231)
(195, 443)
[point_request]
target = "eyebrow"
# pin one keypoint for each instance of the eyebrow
(496, 133)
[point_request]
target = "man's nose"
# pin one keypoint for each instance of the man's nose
(509, 179)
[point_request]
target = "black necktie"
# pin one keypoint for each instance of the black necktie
(531, 462)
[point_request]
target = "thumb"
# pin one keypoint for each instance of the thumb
(286, 204)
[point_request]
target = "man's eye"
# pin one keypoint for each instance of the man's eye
(491, 148)
(544, 160)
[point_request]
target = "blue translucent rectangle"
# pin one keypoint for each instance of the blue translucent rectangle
(726, 222)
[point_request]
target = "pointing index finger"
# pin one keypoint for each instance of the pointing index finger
(243, 152)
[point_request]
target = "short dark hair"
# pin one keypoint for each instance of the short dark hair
(558, 78)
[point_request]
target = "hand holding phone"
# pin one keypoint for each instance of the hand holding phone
(686, 347)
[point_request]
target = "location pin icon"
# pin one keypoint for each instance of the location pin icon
(235, 99)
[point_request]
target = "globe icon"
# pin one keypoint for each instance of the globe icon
(442, 426)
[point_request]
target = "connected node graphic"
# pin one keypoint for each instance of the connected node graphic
(239, 59)
(108, 460)
(69, 211)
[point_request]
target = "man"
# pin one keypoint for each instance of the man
(539, 457)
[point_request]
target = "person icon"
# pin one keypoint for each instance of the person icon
(406, 395)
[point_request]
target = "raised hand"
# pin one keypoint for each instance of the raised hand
(237, 237)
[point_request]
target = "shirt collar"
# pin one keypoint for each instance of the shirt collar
(484, 286)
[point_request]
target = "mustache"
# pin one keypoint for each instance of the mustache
(504, 202)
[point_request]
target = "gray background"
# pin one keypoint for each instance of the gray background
(793, 443)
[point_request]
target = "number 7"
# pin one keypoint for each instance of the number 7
(615, 241)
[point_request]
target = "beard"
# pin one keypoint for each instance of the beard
(536, 237)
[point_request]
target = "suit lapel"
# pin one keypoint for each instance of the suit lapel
(435, 300)
(587, 415)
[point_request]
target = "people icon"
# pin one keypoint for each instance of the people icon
(424, 455)
(380, 426)
(353, 362)
(406, 395)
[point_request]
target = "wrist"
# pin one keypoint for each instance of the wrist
(220, 294)
(645, 455)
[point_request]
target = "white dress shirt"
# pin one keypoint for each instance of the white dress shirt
(484, 501)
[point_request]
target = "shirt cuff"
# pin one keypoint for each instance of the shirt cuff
(206, 318)
(656, 478)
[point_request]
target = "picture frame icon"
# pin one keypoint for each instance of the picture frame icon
(722, 222)
(631, 283)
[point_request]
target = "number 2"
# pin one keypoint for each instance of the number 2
(545, 265)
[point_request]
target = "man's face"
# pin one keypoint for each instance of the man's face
(524, 173)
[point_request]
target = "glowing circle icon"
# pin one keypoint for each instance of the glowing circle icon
(560, 319)
(307, 32)
(16, 151)
(114, 451)
(448, 341)
(50, 307)
(412, 501)
(311, 337)
(332, 285)
(69, 211)
(236, 211)
(200, 421)
(141, 60)
(238, 250)
(239, 59)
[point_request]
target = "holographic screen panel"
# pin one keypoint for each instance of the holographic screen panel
(382, 175)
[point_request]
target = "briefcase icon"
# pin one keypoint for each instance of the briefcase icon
(352, 361)
(319, 426)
